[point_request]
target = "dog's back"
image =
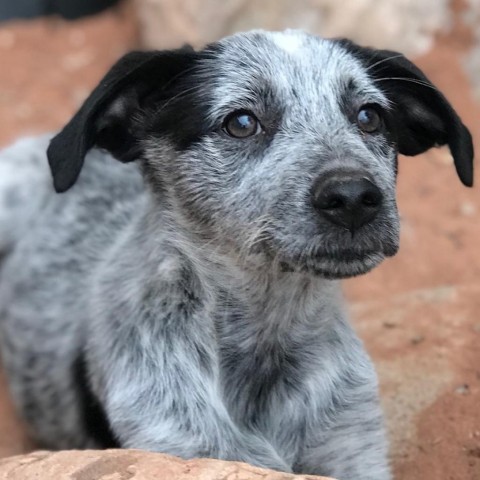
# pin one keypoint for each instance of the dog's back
(24, 187)
(42, 294)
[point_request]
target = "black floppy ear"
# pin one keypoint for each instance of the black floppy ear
(109, 117)
(422, 116)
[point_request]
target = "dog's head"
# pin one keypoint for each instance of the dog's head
(278, 144)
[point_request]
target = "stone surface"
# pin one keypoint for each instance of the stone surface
(430, 388)
(407, 25)
(471, 17)
(130, 465)
(13, 436)
(418, 312)
(49, 66)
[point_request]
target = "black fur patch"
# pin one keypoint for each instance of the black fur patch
(109, 116)
(95, 420)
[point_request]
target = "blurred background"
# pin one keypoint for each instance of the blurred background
(419, 313)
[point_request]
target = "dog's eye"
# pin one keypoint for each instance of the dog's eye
(241, 124)
(368, 119)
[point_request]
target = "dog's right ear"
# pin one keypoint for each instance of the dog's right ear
(109, 117)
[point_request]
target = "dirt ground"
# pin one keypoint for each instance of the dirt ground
(417, 312)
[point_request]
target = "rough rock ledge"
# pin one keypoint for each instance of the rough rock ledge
(130, 465)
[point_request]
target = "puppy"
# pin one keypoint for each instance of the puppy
(188, 301)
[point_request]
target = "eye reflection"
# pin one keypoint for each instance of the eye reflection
(241, 124)
(368, 119)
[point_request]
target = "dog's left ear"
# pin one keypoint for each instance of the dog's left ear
(422, 116)
(109, 118)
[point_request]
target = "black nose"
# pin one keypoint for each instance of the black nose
(348, 200)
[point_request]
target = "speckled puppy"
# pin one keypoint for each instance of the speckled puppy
(189, 302)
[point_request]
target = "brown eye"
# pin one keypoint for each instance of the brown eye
(241, 125)
(368, 119)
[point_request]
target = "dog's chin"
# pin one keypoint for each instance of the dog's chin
(338, 266)
(342, 268)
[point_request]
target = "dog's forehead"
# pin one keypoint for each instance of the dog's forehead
(291, 62)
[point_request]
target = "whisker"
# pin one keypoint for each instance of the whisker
(411, 80)
(383, 60)
(175, 97)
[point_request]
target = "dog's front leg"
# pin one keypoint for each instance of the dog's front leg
(159, 386)
(351, 444)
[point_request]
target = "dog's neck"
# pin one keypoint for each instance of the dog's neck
(258, 283)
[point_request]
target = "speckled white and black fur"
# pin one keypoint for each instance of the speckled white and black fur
(189, 302)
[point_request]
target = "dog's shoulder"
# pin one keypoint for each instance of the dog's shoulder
(65, 227)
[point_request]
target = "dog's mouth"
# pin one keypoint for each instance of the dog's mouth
(338, 263)
(335, 268)
(331, 253)
(345, 265)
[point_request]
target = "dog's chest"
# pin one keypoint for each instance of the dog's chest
(266, 360)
